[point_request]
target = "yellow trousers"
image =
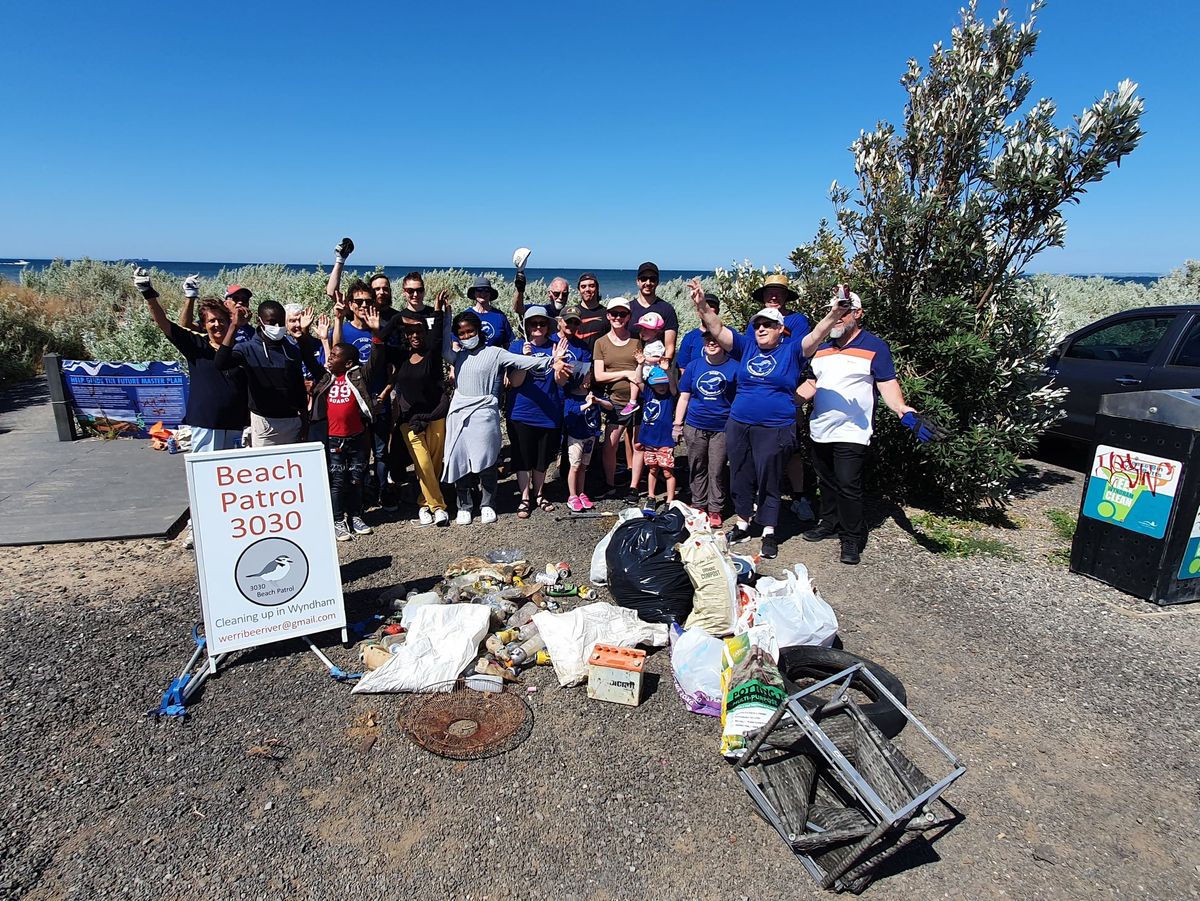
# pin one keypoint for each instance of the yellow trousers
(425, 448)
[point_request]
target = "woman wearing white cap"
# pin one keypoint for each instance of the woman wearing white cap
(761, 434)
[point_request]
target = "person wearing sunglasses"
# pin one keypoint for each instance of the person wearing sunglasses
(593, 317)
(648, 301)
(556, 296)
(705, 398)
(615, 369)
(535, 412)
(760, 435)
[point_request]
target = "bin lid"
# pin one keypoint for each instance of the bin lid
(1178, 407)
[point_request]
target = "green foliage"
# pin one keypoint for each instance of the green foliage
(953, 537)
(1081, 301)
(947, 211)
(1063, 522)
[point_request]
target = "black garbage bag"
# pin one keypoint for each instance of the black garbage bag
(645, 571)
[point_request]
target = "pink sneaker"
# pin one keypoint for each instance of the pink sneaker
(575, 505)
(586, 501)
(628, 408)
(714, 520)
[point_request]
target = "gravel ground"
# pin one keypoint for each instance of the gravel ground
(1073, 706)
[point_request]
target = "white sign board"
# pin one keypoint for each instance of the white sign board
(265, 548)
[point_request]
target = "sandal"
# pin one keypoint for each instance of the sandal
(524, 508)
(544, 504)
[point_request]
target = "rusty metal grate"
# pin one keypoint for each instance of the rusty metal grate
(462, 723)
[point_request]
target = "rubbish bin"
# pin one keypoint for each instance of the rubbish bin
(1139, 526)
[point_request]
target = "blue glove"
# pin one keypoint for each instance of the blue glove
(923, 427)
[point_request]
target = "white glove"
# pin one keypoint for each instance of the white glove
(191, 286)
(344, 248)
(141, 281)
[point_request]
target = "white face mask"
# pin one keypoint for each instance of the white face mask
(274, 332)
(469, 343)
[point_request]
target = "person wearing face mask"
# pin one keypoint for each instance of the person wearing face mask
(848, 371)
(473, 422)
(760, 435)
(274, 373)
(216, 406)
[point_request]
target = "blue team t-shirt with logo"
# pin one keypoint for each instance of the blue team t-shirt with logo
(658, 418)
(496, 329)
(579, 355)
(361, 339)
(766, 382)
(690, 348)
(539, 400)
(580, 423)
(711, 387)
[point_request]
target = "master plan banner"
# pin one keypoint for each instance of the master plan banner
(265, 549)
(1133, 490)
(122, 400)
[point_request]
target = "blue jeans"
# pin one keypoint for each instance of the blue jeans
(381, 431)
(347, 463)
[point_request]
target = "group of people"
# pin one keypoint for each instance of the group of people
(382, 386)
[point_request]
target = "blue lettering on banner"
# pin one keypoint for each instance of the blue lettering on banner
(124, 399)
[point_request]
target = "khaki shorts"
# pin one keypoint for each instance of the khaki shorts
(272, 431)
(579, 451)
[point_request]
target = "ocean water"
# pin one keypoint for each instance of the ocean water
(613, 282)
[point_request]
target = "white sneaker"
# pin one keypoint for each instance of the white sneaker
(188, 540)
(425, 517)
(341, 531)
(487, 515)
(463, 518)
(441, 518)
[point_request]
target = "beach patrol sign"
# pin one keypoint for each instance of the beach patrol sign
(265, 549)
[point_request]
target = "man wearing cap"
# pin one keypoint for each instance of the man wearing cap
(761, 432)
(593, 317)
(241, 299)
(847, 371)
(648, 301)
(615, 370)
(497, 331)
(535, 411)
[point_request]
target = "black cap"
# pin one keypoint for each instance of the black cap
(647, 269)
(585, 277)
(571, 312)
(713, 301)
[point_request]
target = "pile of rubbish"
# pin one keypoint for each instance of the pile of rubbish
(501, 606)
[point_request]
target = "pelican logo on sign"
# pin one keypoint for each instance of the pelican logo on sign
(711, 384)
(761, 365)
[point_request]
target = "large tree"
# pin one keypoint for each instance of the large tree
(948, 210)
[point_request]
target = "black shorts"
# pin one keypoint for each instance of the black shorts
(533, 447)
(615, 417)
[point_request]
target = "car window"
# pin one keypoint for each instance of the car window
(1189, 351)
(1127, 341)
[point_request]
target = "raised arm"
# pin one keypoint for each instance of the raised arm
(141, 281)
(710, 318)
(226, 357)
(343, 250)
(519, 295)
(820, 332)
(191, 291)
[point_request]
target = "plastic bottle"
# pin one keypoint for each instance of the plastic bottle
(510, 635)
(522, 616)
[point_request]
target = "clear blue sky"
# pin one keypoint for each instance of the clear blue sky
(598, 134)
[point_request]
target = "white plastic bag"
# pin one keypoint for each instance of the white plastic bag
(571, 637)
(710, 570)
(800, 615)
(599, 571)
(696, 661)
(442, 640)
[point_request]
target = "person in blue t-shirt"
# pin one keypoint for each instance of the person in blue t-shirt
(692, 344)
(705, 397)
(497, 332)
(655, 437)
(761, 433)
(535, 412)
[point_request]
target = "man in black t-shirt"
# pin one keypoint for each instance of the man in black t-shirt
(593, 317)
(647, 300)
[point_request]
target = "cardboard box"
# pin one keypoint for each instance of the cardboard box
(615, 674)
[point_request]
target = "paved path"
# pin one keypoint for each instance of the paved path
(52, 491)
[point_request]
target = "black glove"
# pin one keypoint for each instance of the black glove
(418, 424)
(344, 249)
(519, 282)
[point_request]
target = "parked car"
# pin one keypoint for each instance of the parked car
(1137, 350)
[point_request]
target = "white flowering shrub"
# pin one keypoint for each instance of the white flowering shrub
(947, 211)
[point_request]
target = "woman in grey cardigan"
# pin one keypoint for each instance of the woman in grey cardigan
(473, 422)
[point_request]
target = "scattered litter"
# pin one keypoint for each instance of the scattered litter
(570, 637)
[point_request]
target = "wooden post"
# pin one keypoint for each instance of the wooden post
(60, 402)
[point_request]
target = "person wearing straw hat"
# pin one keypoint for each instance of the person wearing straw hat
(496, 329)
(761, 432)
